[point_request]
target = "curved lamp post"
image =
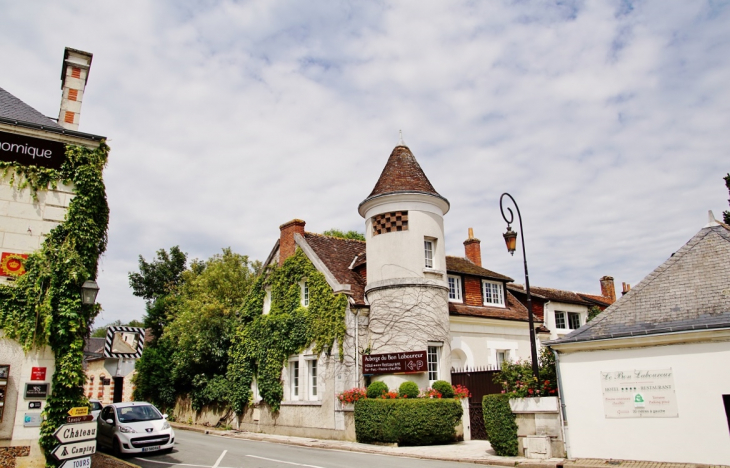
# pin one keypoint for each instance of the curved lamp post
(510, 238)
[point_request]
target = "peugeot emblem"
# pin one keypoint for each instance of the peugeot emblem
(149, 429)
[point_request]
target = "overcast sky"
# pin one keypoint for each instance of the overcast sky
(608, 121)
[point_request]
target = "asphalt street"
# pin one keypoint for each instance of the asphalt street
(196, 450)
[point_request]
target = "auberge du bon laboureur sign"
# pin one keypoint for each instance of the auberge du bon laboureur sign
(394, 363)
(30, 151)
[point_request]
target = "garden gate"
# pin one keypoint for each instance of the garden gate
(479, 382)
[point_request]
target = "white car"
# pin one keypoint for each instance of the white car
(135, 427)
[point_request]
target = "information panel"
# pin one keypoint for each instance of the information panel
(639, 394)
(394, 363)
(30, 151)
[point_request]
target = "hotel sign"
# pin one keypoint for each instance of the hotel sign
(394, 363)
(639, 394)
(30, 151)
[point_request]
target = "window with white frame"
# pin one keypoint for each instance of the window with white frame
(573, 320)
(433, 363)
(567, 320)
(454, 288)
(305, 293)
(502, 356)
(559, 319)
(313, 376)
(492, 292)
(294, 379)
(428, 248)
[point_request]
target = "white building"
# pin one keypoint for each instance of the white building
(648, 379)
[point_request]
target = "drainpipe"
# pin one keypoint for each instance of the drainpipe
(563, 410)
(357, 346)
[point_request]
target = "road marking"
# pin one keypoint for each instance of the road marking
(282, 461)
(218, 462)
(168, 463)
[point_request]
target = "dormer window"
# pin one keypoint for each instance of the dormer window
(454, 288)
(305, 294)
(428, 247)
(492, 292)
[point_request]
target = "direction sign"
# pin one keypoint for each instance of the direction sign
(78, 419)
(75, 432)
(75, 450)
(84, 462)
(79, 411)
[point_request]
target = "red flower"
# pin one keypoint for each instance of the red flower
(529, 390)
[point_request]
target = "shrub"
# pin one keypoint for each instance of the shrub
(407, 421)
(499, 423)
(431, 393)
(352, 395)
(461, 391)
(408, 389)
(517, 380)
(444, 388)
(376, 389)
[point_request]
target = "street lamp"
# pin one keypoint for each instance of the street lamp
(510, 238)
(89, 290)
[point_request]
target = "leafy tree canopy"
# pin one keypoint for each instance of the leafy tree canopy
(593, 312)
(101, 331)
(354, 235)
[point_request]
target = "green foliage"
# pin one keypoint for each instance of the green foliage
(152, 381)
(44, 306)
(726, 214)
(500, 425)
(593, 312)
(420, 421)
(408, 389)
(353, 235)
(263, 342)
(518, 381)
(444, 388)
(377, 389)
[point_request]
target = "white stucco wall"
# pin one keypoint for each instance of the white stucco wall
(551, 307)
(480, 338)
(15, 403)
(700, 433)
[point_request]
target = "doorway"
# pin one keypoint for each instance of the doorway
(118, 389)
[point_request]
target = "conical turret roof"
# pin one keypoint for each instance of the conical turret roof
(402, 174)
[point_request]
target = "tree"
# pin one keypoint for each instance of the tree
(726, 214)
(353, 235)
(156, 282)
(593, 312)
(101, 331)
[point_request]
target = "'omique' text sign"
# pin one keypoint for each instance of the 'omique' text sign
(394, 363)
(31, 151)
(75, 432)
(639, 394)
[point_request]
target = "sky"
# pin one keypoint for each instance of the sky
(607, 121)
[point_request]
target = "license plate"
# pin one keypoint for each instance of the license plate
(151, 449)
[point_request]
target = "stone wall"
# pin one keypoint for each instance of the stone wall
(539, 427)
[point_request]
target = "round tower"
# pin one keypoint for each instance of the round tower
(407, 286)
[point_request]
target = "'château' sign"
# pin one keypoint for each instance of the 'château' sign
(394, 363)
(639, 394)
(30, 151)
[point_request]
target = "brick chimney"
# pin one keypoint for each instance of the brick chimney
(473, 248)
(74, 75)
(287, 245)
(607, 288)
(626, 288)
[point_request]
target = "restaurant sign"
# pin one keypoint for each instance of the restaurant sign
(639, 394)
(30, 151)
(394, 363)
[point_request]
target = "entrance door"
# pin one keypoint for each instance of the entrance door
(118, 388)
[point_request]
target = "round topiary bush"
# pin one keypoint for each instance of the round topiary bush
(376, 389)
(444, 388)
(408, 389)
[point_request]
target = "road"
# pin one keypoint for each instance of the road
(196, 450)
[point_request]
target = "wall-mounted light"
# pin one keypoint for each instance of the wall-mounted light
(89, 290)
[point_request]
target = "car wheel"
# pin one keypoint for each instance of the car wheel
(116, 451)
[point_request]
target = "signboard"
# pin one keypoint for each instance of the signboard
(74, 450)
(38, 373)
(75, 432)
(79, 411)
(84, 462)
(31, 151)
(639, 394)
(78, 419)
(32, 420)
(35, 405)
(11, 264)
(394, 363)
(36, 390)
(124, 342)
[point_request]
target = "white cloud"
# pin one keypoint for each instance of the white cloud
(606, 120)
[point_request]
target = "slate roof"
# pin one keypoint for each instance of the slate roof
(550, 294)
(337, 254)
(514, 310)
(467, 267)
(15, 109)
(402, 174)
(598, 300)
(688, 292)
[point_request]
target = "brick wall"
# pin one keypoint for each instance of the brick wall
(473, 291)
(287, 245)
(473, 250)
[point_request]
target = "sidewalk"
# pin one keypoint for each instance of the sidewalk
(472, 451)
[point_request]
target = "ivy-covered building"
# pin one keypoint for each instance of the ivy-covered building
(401, 295)
(53, 222)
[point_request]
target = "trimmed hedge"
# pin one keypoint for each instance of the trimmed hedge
(421, 421)
(408, 389)
(500, 425)
(376, 389)
(444, 388)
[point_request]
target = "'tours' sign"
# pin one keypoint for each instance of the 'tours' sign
(394, 363)
(30, 151)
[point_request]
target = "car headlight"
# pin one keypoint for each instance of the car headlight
(165, 425)
(126, 429)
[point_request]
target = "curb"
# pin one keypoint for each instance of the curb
(118, 460)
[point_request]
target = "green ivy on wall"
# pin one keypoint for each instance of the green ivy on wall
(44, 306)
(263, 343)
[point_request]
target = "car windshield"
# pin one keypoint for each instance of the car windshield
(95, 405)
(129, 414)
